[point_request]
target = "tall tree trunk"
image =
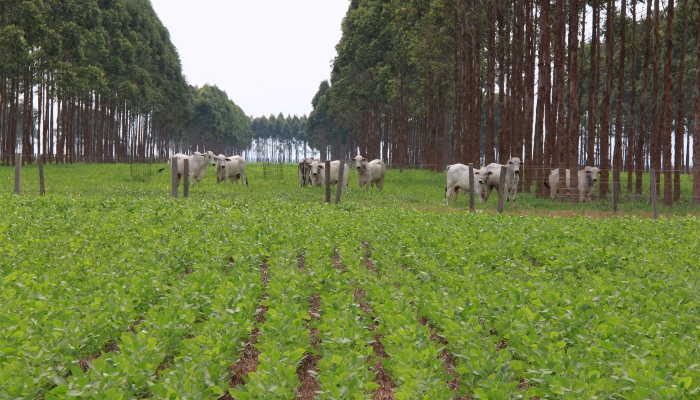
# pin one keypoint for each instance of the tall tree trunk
(543, 91)
(502, 112)
(617, 154)
(573, 115)
(632, 130)
(605, 111)
(667, 124)
(529, 94)
(680, 126)
(594, 83)
(656, 138)
(489, 150)
(639, 158)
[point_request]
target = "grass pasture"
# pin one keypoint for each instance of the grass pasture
(112, 289)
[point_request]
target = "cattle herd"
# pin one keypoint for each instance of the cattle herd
(311, 171)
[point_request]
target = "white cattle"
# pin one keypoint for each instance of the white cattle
(369, 173)
(198, 163)
(232, 168)
(211, 159)
(511, 180)
(304, 171)
(458, 179)
(586, 182)
(317, 173)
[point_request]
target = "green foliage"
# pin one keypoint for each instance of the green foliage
(158, 295)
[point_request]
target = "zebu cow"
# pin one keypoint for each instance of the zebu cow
(586, 182)
(458, 179)
(232, 168)
(198, 164)
(369, 173)
(511, 181)
(304, 171)
(317, 173)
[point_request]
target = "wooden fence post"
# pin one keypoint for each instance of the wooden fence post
(339, 189)
(327, 172)
(18, 172)
(616, 191)
(173, 176)
(654, 200)
(562, 185)
(502, 188)
(471, 187)
(40, 163)
(186, 173)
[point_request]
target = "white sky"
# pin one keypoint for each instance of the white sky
(268, 55)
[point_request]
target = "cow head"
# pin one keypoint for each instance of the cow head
(514, 163)
(359, 162)
(591, 174)
(315, 168)
(482, 176)
(211, 158)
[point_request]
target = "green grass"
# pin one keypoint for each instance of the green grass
(417, 189)
(158, 294)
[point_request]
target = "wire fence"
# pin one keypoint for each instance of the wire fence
(416, 188)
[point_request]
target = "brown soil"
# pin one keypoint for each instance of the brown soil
(301, 265)
(336, 262)
(309, 385)
(382, 377)
(248, 361)
(367, 262)
(446, 356)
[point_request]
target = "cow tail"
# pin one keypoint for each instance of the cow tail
(546, 184)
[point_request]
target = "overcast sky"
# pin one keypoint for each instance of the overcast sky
(268, 55)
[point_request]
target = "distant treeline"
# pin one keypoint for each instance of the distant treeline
(574, 82)
(279, 138)
(100, 79)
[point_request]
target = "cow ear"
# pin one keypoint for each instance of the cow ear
(321, 166)
(490, 172)
(227, 159)
(308, 166)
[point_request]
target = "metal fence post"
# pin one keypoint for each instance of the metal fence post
(502, 188)
(654, 200)
(18, 172)
(173, 176)
(328, 181)
(186, 173)
(471, 187)
(40, 163)
(339, 189)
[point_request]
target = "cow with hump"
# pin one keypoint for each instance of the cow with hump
(587, 178)
(458, 179)
(511, 180)
(369, 173)
(198, 164)
(232, 168)
(317, 173)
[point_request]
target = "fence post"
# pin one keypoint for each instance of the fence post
(471, 187)
(339, 189)
(562, 185)
(616, 190)
(173, 175)
(654, 200)
(186, 173)
(40, 163)
(327, 172)
(18, 169)
(502, 188)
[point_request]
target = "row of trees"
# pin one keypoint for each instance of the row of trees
(448, 81)
(100, 79)
(279, 138)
